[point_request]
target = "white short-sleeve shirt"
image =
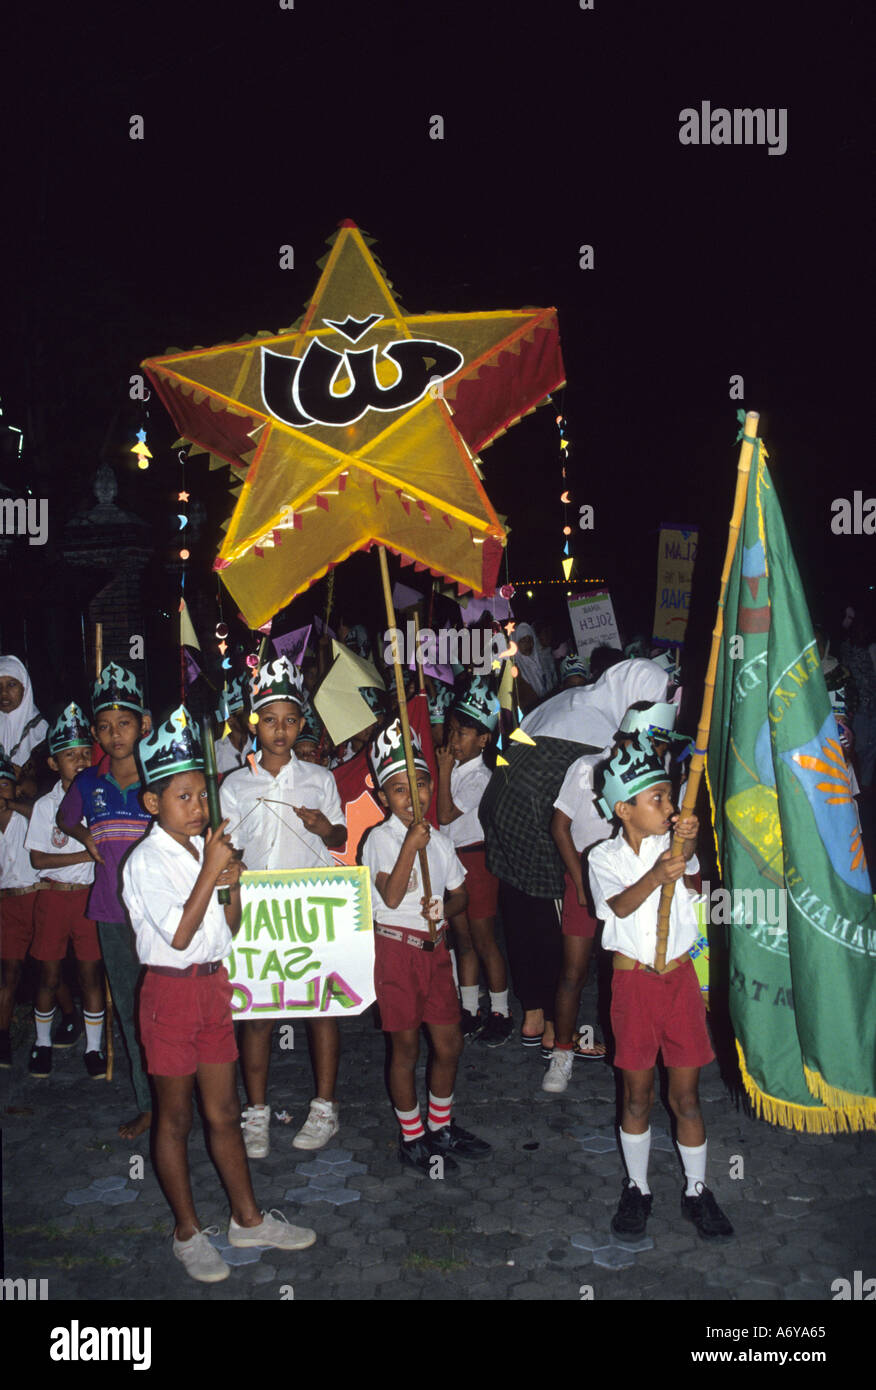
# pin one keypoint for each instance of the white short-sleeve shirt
(229, 758)
(263, 822)
(576, 800)
(614, 866)
(468, 782)
(46, 837)
(157, 882)
(380, 853)
(16, 870)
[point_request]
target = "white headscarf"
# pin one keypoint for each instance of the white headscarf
(17, 739)
(530, 667)
(592, 713)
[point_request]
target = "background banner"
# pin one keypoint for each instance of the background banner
(593, 622)
(676, 553)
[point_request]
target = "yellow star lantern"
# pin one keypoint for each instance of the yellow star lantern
(359, 427)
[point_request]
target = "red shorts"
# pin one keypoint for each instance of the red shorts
(16, 924)
(184, 1021)
(577, 920)
(60, 917)
(412, 986)
(659, 1013)
(482, 886)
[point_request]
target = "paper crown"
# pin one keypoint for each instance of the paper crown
(7, 771)
(572, 666)
(669, 661)
(311, 727)
(357, 640)
(276, 680)
(478, 702)
(231, 699)
(440, 702)
(657, 721)
(116, 688)
(70, 730)
(372, 697)
(172, 747)
(387, 753)
(630, 770)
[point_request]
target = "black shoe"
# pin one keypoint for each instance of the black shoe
(68, 1032)
(40, 1063)
(633, 1210)
(451, 1139)
(418, 1155)
(497, 1030)
(95, 1065)
(706, 1215)
(472, 1025)
(5, 1050)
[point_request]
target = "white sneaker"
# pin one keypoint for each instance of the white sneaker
(320, 1126)
(274, 1230)
(254, 1122)
(200, 1259)
(556, 1078)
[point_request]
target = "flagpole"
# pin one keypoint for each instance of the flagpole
(108, 998)
(405, 724)
(697, 761)
(421, 675)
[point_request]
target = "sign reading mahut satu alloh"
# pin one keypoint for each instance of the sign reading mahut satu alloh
(305, 948)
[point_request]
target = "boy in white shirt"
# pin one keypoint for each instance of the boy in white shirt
(413, 977)
(19, 889)
(284, 814)
(233, 749)
(169, 887)
(66, 872)
(652, 1012)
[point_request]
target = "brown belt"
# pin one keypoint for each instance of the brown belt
(208, 968)
(627, 963)
(19, 892)
(55, 887)
(420, 943)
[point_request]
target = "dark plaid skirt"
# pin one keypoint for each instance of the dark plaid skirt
(516, 811)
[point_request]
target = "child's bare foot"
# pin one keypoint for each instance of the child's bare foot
(548, 1040)
(133, 1128)
(532, 1027)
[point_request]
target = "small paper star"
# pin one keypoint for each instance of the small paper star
(141, 435)
(182, 497)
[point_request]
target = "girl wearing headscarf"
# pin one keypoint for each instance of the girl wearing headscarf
(531, 682)
(22, 727)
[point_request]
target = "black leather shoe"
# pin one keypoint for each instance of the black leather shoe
(633, 1210)
(706, 1215)
(451, 1139)
(419, 1156)
(40, 1063)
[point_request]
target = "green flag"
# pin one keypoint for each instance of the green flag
(800, 914)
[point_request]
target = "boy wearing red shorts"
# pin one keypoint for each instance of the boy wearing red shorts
(413, 977)
(652, 1012)
(66, 874)
(19, 887)
(183, 933)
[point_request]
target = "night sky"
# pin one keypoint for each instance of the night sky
(266, 127)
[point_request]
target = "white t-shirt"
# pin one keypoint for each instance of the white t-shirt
(468, 782)
(157, 881)
(16, 870)
(380, 853)
(46, 837)
(228, 758)
(577, 801)
(613, 867)
(263, 823)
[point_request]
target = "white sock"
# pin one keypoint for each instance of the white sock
(439, 1111)
(43, 1028)
(411, 1124)
(93, 1030)
(635, 1149)
(499, 1003)
(694, 1161)
(469, 995)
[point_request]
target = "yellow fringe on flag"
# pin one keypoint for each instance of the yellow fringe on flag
(859, 1110)
(810, 1119)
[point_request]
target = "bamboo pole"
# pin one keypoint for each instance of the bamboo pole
(421, 675)
(698, 759)
(406, 728)
(108, 997)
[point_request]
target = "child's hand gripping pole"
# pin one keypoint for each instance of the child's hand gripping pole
(211, 777)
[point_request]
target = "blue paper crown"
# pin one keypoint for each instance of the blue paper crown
(116, 688)
(387, 753)
(7, 771)
(478, 702)
(657, 721)
(70, 730)
(172, 747)
(231, 699)
(668, 659)
(572, 665)
(276, 680)
(631, 770)
(371, 695)
(311, 728)
(440, 702)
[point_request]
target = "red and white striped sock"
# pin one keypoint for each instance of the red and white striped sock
(411, 1124)
(439, 1111)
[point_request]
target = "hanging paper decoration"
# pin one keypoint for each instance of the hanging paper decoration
(344, 422)
(141, 449)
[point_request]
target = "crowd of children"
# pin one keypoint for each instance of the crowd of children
(567, 826)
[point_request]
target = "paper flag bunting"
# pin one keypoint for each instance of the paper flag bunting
(520, 737)
(567, 566)
(338, 702)
(293, 644)
(404, 597)
(187, 635)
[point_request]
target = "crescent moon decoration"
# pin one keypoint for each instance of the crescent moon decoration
(564, 497)
(183, 521)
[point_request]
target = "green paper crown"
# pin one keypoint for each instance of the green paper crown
(7, 771)
(70, 730)
(276, 680)
(311, 728)
(387, 753)
(572, 665)
(630, 770)
(479, 703)
(657, 721)
(172, 747)
(231, 699)
(440, 702)
(116, 688)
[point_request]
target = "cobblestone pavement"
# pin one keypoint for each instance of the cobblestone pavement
(530, 1223)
